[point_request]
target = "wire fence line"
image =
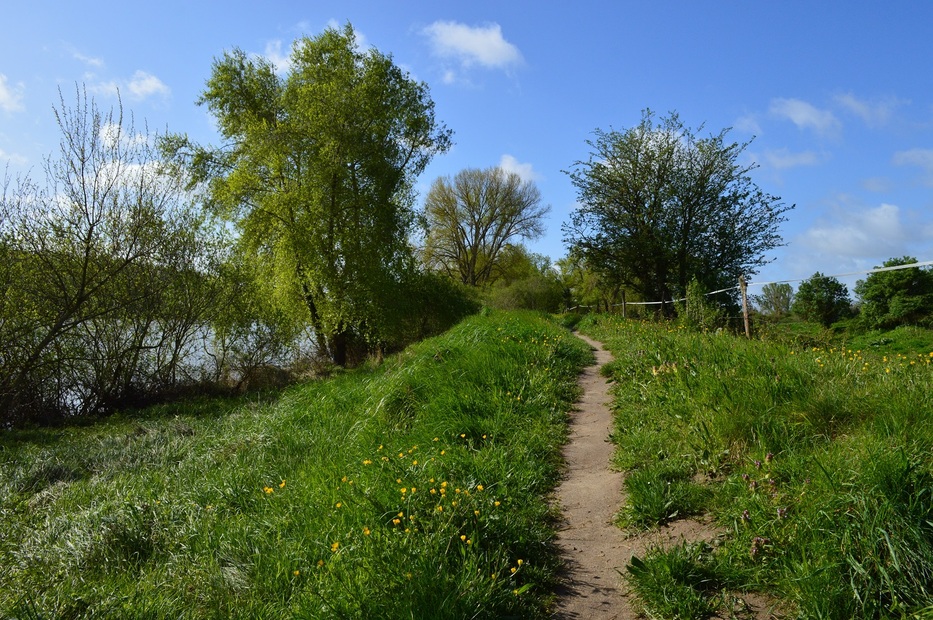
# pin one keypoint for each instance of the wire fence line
(747, 284)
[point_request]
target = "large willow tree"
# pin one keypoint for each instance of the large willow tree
(317, 173)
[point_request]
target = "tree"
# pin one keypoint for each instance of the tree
(88, 270)
(775, 299)
(474, 216)
(897, 297)
(317, 174)
(660, 206)
(822, 299)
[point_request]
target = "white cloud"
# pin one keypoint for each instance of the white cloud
(748, 124)
(509, 164)
(860, 233)
(144, 85)
(111, 134)
(874, 113)
(805, 115)
(13, 159)
(88, 60)
(138, 87)
(11, 97)
(781, 159)
(480, 45)
(281, 61)
(917, 157)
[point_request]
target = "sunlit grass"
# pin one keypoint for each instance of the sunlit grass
(415, 489)
(819, 461)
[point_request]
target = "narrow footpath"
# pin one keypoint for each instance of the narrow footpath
(595, 551)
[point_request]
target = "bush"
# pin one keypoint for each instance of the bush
(892, 298)
(822, 299)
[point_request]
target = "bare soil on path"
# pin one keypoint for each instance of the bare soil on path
(596, 552)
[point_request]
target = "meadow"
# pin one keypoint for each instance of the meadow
(813, 454)
(416, 488)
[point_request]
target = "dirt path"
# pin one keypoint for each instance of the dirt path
(594, 549)
(596, 552)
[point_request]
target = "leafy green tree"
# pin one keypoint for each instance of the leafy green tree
(660, 206)
(472, 219)
(776, 298)
(822, 299)
(897, 297)
(317, 174)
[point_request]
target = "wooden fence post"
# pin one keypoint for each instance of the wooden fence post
(623, 303)
(743, 286)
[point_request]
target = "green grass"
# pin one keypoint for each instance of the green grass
(820, 461)
(413, 490)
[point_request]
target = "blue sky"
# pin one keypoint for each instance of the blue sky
(838, 96)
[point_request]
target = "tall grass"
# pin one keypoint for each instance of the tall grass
(412, 490)
(819, 461)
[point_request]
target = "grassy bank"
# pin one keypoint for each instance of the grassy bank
(416, 489)
(818, 462)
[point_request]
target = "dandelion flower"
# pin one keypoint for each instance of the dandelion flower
(335, 546)
(320, 562)
(513, 570)
(479, 487)
(463, 537)
(282, 485)
(296, 573)
(268, 490)
(339, 504)
(520, 562)
(366, 531)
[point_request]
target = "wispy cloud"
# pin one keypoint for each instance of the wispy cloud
(471, 46)
(11, 97)
(869, 233)
(509, 164)
(141, 86)
(782, 159)
(92, 61)
(748, 123)
(917, 157)
(13, 158)
(874, 113)
(281, 61)
(805, 115)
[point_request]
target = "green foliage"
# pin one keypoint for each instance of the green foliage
(317, 175)
(526, 282)
(661, 205)
(776, 299)
(660, 493)
(473, 218)
(818, 461)
(414, 489)
(822, 299)
(676, 583)
(899, 297)
(699, 311)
